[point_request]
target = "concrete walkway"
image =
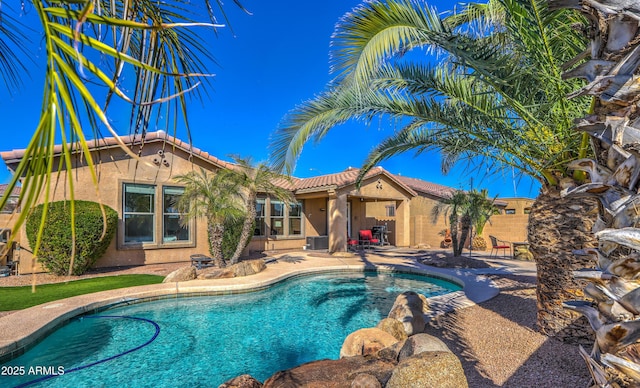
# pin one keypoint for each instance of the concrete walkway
(22, 329)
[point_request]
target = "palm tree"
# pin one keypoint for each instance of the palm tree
(612, 68)
(481, 208)
(253, 179)
(455, 208)
(465, 211)
(96, 51)
(495, 99)
(214, 197)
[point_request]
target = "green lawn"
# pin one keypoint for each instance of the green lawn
(18, 298)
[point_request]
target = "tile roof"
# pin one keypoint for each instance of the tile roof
(427, 187)
(344, 178)
(15, 156)
(319, 183)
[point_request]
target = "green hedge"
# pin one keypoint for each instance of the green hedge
(231, 236)
(55, 249)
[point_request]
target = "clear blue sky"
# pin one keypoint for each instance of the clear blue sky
(278, 58)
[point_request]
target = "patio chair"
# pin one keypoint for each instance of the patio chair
(352, 244)
(366, 238)
(496, 245)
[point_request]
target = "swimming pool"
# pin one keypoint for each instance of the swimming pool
(204, 341)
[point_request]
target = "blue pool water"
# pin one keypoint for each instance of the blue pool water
(204, 341)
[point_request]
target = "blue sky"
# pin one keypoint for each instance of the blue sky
(278, 58)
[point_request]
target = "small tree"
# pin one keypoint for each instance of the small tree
(92, 237)
(454, 208)
(251, 180)
(214, 197)
(480, 209)
(465, 210)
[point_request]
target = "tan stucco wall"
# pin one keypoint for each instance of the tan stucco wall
(315, 211)
(520, 205)
(509, 227)
(113, 167)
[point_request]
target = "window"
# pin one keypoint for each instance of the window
(527, 210)
(151, 216)
(510, 211)
(277, 218)
(390, 210)
(295, 218)
(171, 228)
(11, 205)
(260, 215)
(139, 213)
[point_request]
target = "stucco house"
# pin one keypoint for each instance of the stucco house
(328, 208)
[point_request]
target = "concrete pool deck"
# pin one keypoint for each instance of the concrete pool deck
(23, 329)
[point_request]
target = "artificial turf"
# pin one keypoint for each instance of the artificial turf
(18, 298)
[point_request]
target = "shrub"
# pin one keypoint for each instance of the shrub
(231, 236)
(55, 248)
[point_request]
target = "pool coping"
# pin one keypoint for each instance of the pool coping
(23, 329)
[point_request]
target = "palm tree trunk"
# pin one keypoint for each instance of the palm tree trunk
(215, 231)
(557, 226)
(465, 228)
(453, 221)
(247, 227)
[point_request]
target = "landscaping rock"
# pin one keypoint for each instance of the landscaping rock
(332, 373)
(249, 267)
(181, 275)
(366, 342)
(421, 343)
(393, 327)
(409, 309)
(216, 273)
(429, 369)
(365, 380)
(391, 353)
(243, 381)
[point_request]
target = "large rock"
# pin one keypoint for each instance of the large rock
(216, 273)
(249, 267)
(429, 369)
(365, 380)
(332, 373)
(409, 309)
(181, 275)
(421, 343)
(391, 353)
(242, 381)
(393, 327)
(366, 342)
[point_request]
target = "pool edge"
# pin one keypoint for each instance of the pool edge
(23, 329)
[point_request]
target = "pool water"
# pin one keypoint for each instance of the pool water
(204, 341)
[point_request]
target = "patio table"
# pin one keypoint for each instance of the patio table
(201, 261)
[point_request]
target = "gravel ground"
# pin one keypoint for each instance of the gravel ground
(496, 341)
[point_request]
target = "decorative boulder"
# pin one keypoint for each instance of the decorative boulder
(242, 381)
(365, 380)
(409, 309)
(391, 353)
(249, 267)
(429, 369)
(332, 373)
(421, 343)
(393, 327)
(366, 342)
(216, 273)
(181, 275)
